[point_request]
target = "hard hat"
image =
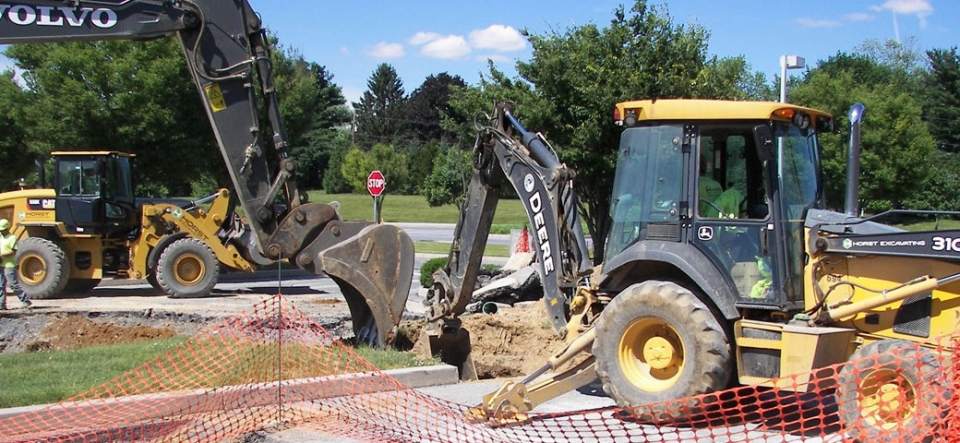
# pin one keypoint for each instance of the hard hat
(4, 224)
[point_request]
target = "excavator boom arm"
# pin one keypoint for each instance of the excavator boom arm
(227, 52)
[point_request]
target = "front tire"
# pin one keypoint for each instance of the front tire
(187, 268)
(656, 342)
(891, 390)
(152, 279)
(43, 268)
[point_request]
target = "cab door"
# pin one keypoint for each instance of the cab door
(732, 221)
(79, 204)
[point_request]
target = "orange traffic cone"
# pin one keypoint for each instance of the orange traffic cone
(523, 243)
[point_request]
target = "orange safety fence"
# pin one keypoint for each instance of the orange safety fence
(275, 368)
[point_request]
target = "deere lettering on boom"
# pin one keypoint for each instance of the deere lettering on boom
(90, 226)
(744, 281)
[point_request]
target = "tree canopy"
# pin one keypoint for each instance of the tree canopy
(380, 111)
(570, 86)
(896, 145)
(138, 97)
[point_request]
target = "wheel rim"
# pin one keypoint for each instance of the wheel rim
(32, 269)
(188, 269)
(886, 399)
(651, 354)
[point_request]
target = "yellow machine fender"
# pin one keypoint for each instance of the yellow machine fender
(154, 256)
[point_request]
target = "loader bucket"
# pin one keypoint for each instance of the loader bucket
(373, 265)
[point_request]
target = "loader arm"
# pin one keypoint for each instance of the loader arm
(506, 151)
(227, 51)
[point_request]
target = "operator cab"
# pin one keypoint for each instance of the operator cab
(728, 181)
(95, 192)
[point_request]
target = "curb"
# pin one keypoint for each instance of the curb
(413, 378)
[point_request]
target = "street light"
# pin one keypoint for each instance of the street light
(788, 62)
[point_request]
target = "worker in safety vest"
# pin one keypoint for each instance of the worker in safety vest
(8, 261)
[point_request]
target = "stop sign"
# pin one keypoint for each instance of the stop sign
(376, 183)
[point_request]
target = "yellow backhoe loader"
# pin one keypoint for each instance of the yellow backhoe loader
(702, 288)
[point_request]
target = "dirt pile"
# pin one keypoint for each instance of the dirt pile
(74, 332)
(513, 342)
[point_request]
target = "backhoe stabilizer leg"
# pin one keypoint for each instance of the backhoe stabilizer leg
(447, 340)
(373, 266)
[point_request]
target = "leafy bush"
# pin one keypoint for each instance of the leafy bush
(333, 181)
(358, 163)
(445, 183)
(428, 268)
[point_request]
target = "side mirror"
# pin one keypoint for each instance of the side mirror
(763, 136)
(825, 125)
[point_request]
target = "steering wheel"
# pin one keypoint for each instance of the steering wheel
(712, 205)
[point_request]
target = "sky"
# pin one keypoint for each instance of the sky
(428, 37)
(423, 38)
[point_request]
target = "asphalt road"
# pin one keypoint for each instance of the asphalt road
(443, 233)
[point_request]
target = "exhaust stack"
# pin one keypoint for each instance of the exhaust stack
(851, 206)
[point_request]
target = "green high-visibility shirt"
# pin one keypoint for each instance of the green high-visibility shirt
(8, 243)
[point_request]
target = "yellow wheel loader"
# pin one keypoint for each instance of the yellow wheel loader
(698, 291)
(91, 216)
(227, 53)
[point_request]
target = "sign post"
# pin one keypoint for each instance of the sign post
(376, 184)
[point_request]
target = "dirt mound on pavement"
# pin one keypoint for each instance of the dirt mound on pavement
(74, 332)
(513, 342)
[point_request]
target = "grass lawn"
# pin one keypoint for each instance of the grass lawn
(32, 378)
(52, 376)
(932, 225)
(414, 209)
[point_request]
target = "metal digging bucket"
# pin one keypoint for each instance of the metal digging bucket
(373, 265)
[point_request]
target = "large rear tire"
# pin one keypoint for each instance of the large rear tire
(188, 268)
(43, 268)
(656, 342)
(891, 390)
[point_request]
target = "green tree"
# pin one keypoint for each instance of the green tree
(380, 111)
(941, 98)
(313, 109)
(15, 154)
(729, 78)
(428, 103)
(447, 180)
(896, 146)
(421, 158)
(119, 95)
(581, 73)
(358, 163)
(938, 192)
(333, 181)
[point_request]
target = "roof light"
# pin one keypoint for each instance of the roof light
(616, 115)
(785, 113)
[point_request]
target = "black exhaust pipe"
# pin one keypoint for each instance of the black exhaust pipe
(851, 206)
(41, 174)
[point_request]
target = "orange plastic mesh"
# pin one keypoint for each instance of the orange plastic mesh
(275, 368)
